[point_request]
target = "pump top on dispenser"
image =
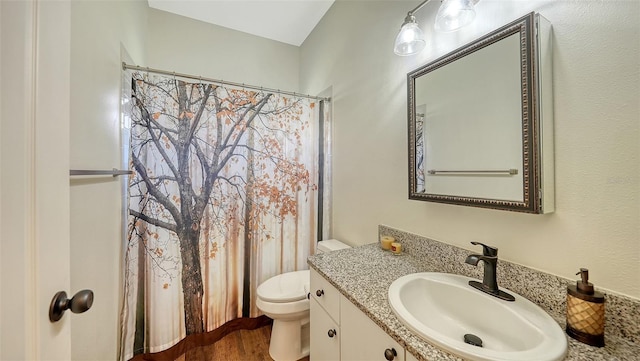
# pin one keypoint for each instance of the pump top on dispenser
(584, 286)
(585, 311)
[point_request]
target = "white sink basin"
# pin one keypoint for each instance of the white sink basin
(442, 308)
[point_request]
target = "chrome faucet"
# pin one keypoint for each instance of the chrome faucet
(489, 283)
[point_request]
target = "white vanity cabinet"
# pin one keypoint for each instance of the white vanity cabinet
(362, 339)
(340, 331)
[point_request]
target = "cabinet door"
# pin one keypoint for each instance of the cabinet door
(327, 296)
(362, 339)
(325, 335)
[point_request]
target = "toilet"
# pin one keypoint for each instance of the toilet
(283, 298)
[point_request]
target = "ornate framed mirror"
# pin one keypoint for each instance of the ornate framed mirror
(480, 122)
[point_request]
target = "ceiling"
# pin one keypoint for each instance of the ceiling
(287, 21)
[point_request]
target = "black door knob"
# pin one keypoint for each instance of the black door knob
(319, 293)
(390, 354)
(332, 333)
(80, 302)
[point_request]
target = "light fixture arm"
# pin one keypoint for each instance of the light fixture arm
(410, 17)
(422, 4)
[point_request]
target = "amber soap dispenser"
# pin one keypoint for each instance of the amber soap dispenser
(585, 311)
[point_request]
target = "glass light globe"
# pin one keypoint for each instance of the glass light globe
(455, 14)
(410, 39)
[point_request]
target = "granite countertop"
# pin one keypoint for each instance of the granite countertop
(363, 275)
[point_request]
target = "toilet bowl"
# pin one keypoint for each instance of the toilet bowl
(283, 298)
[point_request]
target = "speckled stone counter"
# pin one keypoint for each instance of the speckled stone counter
(363, 275)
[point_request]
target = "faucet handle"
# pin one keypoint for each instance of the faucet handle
(486, 250)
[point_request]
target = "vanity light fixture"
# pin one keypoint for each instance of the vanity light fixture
(452, 15)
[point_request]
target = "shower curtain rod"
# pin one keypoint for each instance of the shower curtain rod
(126, 66)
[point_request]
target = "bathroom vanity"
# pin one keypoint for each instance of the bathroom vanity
(339, 330)
(351, 318)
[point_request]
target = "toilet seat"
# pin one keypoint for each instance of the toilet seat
(285, 287)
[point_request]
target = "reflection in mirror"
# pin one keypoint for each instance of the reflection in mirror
(476, 123)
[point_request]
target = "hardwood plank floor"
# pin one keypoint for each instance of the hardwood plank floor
(242, 345)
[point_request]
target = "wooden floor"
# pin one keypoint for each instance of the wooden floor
(243, 345)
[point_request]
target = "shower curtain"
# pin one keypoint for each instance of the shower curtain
(224, 195)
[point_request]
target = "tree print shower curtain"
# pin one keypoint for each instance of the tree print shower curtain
(224, 195)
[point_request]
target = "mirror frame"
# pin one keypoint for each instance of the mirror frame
(531, 157)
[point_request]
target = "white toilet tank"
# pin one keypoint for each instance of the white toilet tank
(330, 245)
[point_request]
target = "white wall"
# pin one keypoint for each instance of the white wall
(180, 44)
(597, 140)
(98, 31)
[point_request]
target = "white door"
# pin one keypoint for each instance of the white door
(34, 177)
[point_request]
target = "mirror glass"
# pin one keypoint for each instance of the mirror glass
(474, 123)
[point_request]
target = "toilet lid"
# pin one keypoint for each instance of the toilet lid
(286, 287)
